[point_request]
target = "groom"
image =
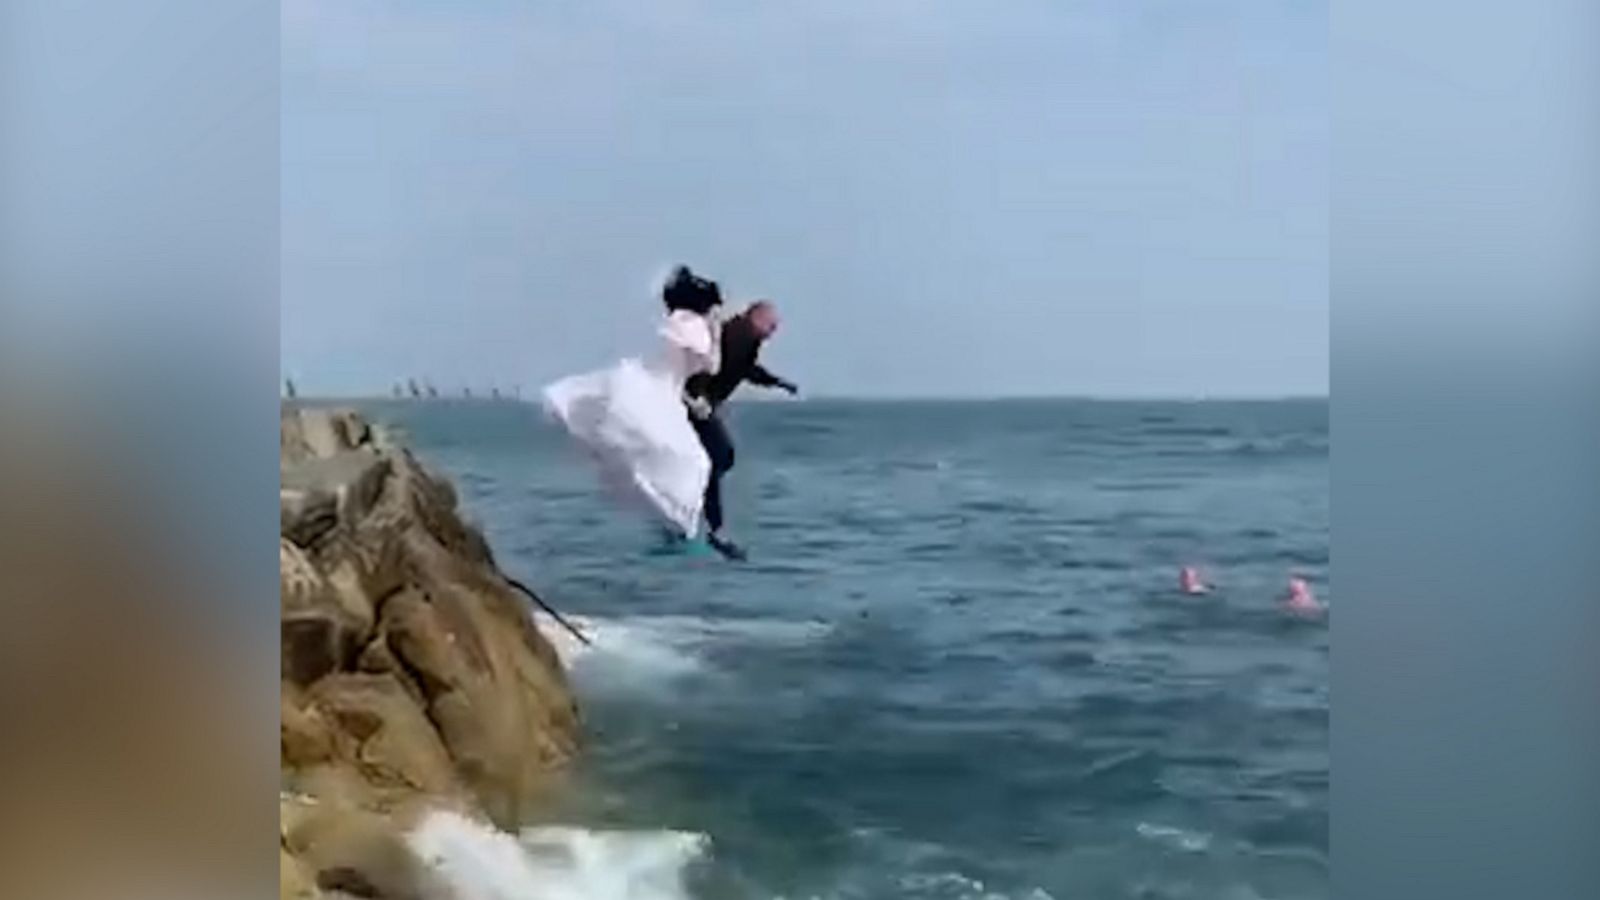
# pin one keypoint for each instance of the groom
(705, 393)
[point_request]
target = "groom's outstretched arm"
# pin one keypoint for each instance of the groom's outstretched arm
(760, 376)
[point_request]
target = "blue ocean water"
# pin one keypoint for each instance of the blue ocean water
(956, 664)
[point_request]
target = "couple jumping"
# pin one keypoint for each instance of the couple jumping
(653, 424)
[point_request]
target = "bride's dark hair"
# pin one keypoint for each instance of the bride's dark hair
(686, 290)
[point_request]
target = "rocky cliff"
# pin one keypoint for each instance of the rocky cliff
(413, 677)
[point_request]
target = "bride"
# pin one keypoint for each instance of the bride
(631, 416)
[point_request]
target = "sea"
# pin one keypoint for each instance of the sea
(957, 664)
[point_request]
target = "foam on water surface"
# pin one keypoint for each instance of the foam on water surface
(666, 646)
(478, 862)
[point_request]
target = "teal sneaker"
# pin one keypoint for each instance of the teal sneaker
(698, 547)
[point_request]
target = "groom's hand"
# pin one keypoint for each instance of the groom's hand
(789, 386)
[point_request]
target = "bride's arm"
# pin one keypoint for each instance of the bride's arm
(696, 336)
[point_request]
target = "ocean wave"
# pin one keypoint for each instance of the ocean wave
(1280, 445)
(1177, 838)
(955, 886)
(1184, 431)
(478, 862)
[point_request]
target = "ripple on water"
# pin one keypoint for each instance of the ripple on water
(1004, 697)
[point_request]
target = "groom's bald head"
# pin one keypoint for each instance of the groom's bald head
(763, 315)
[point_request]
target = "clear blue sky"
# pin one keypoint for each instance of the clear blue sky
(1109, 197)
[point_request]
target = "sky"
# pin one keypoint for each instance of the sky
(1115, 198)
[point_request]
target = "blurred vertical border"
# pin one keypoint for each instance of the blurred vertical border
(1464, 477)
(138, 396)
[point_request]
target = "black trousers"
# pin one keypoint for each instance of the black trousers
(719, 447)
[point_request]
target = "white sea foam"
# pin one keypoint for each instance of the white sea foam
(1180, 838)
(620, 648)
(567, 645)
(475, 861)
(699, 630)
(955, 886)
(658, 647)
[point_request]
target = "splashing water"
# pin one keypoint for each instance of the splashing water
(478, 862)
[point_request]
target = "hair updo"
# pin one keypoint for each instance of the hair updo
(686, 290)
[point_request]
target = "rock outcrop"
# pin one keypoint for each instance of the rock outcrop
(413, 674)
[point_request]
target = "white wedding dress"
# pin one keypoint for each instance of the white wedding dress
(631, 419)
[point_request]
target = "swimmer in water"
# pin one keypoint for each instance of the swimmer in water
(1190, 582)
(1300, 600)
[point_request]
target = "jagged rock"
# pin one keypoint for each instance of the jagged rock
(304, 738)
(294, 882)
(321, 627)
(501, 707)
(319, 433)
(428, 503)
(363, 567)
(299, 582)
(378, 658)
(389, 738)
(360, 572)
(412, 672)
(306, 514)
(354, 852)
(353, 430)
(341, 782)
(310, 647)
(354, 478)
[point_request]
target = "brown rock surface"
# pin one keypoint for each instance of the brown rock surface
(339, 849)
(413, 674)
(322, 627)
